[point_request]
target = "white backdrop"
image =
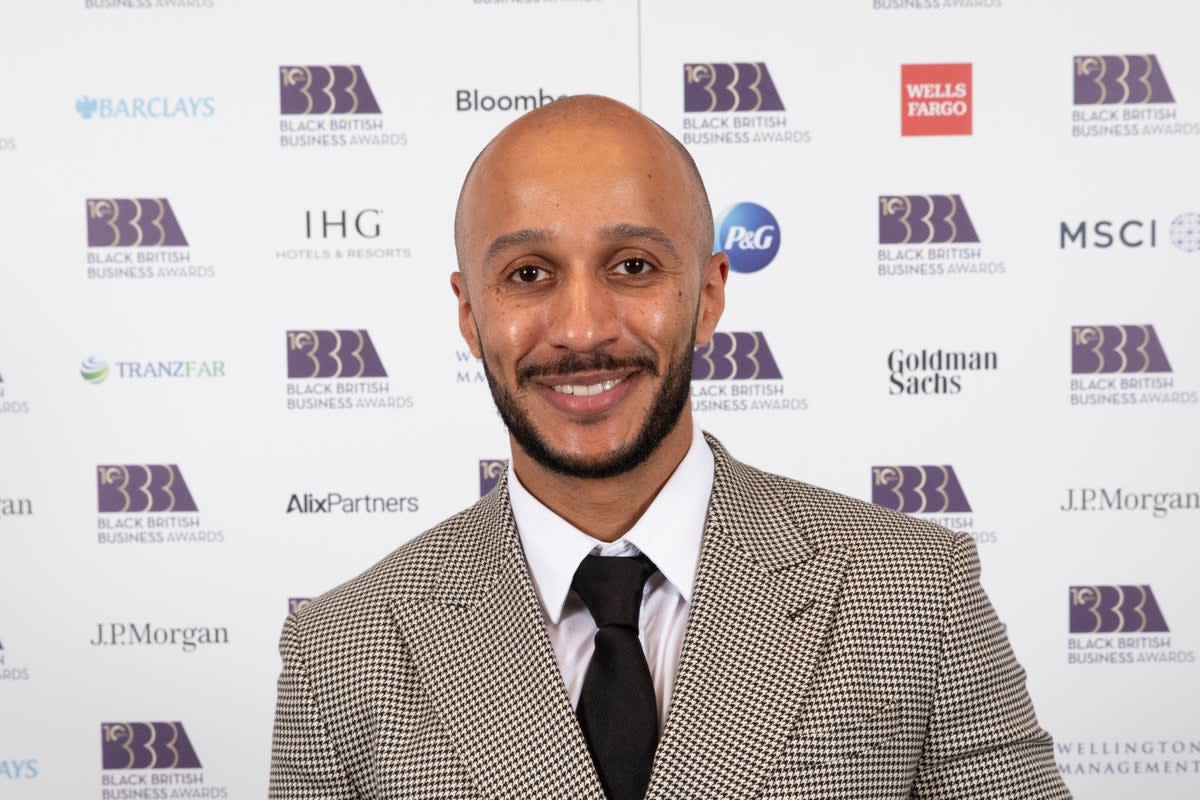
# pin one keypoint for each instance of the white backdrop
(127, 372)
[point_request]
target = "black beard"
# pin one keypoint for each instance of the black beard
(666, 409)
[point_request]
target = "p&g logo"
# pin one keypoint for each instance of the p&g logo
(749, 235)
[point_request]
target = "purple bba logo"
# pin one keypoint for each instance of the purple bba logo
(490, 470)
(930, 489)
(749, 235)
(924, 219)
(729, 86)
(1115, 609)
(297, 603)
(735, 356)
(1116, 349)
(142, 488)
(132, 222)
(1120, 80)
(325, 89)
(332, 354)
(146, 745)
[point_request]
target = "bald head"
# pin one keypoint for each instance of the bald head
(575, 129)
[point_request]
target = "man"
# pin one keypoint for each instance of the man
(788, 642)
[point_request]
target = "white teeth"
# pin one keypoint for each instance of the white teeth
(595, 388)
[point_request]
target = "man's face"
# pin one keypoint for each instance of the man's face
(586, 285)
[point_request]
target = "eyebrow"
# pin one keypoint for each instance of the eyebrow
(525, 236)
(626, 231)
(621, 232)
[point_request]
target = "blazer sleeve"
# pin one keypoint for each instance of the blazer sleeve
(304, 763)
(983, 739)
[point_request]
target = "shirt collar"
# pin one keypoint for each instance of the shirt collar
(668, 532)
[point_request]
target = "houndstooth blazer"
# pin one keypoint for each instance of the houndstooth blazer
(834, 650)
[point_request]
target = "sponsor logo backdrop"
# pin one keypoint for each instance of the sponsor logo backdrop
(231, 376)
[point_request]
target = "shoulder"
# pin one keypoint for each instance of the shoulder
(825, 518)
(410, 571)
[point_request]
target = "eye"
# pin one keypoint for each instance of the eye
(634, 266)
(528, 274)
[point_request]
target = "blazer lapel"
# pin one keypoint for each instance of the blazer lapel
(762, 605)
(479, 644)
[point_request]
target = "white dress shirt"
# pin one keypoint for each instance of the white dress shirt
(668, 533)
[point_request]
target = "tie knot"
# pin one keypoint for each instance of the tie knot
(611, 587)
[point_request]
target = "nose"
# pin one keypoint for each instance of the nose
(582, 313)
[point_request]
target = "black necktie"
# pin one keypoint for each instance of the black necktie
(617, 709)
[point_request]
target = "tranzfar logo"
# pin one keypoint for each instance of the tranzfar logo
(750, 236)
(146, 745)
(94, 370)
(325, 89)
(742, 86)
(926, 489)
(142, 488)
(333, 354)
(1116, 348)
(924, 219)
(1115, 609)
(935, 99)
(132, 222)
(490, 470)
(1117, 80)
(742, 355)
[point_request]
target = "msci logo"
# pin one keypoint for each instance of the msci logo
(735, 356)
(142, 488)
(325, 89)
(332, 354)
(1116, 349)
(742, 86)
(749, 235)
(146, 745)
(132, 222)
(490, 470)
(1120, 80)
(935, 100)
(1102, 234)
(924, 219)
(918, 489)
(1115, 609)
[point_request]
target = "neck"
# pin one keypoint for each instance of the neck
(605, 508)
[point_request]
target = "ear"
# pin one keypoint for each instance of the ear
(712, 297)
(466, 321)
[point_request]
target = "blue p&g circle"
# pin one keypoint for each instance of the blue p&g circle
(749, 235)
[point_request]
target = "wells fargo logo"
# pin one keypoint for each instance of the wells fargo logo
(132, 222)
(333, 354)
(146, 745)
(918, 489)
(924, 219)
(1118, 80)
(741, 86)
(740, 355)
(146, 488)
(325, 89)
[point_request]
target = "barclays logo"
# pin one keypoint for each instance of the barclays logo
(145, 107)
(749, 234)
(19, 769)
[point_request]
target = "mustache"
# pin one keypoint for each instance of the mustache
(593, 361)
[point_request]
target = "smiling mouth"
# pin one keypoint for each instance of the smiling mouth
(584, 390)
